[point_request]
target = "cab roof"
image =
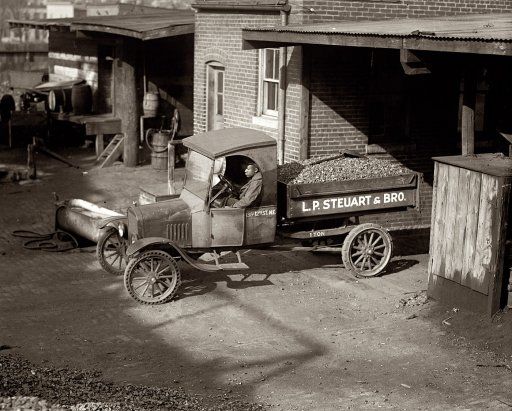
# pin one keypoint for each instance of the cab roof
(219, 143)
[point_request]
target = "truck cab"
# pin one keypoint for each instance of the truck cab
(200, 219)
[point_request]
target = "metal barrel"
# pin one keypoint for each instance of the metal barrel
(81, 98)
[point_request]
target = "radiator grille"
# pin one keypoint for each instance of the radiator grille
(178, 232)
(132, 224)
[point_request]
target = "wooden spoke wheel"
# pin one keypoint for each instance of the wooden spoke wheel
(153, 277)
(111, 252)
(367, 250)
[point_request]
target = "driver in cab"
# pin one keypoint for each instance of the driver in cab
(250, 192)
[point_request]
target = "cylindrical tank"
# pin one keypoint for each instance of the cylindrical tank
(81, 98)
(150, 104)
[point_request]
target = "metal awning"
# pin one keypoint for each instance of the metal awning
(139, 26)
(477, 33)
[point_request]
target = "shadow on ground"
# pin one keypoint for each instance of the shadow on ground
(62, 309)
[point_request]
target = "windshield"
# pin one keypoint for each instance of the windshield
(197, 174)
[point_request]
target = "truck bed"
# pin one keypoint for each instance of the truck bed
(347, 197)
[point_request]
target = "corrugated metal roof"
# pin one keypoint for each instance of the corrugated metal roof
(141, 26)
(479, 27)
(476, 34)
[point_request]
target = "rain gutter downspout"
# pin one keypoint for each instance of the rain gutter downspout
(283, 57)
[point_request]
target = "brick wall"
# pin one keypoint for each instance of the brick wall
(322, 10)
(218, 37)
(293, 98)
(340, 117)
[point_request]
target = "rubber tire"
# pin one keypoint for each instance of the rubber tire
(102, 242)
(349, 241)
(132, 267)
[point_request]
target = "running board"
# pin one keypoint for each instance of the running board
(217, 266)
(233, 266)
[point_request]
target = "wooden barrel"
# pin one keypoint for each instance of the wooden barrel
(150, 104)
(60, 100)
(81, 98)
(159, 155)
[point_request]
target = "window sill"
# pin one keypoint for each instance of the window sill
(265, 121)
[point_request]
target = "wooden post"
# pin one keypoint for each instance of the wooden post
(128, 99)
(31, 162)
(304, 107)
(99, 144)
(468, 113)
(9, 132)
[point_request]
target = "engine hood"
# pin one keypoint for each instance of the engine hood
(169, 219)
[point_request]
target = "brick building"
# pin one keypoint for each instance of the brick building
(386, 86)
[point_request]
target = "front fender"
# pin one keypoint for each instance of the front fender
(145, 243)
(112, 222)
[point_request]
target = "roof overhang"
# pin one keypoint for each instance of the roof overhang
(49, 24)
(143, 27)
(157, 33)
(242, 5)
(477, 34)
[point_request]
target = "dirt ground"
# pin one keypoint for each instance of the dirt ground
(295, 332)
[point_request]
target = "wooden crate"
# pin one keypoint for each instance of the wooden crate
(470, 211)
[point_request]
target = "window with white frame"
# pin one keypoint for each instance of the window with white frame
(269, 82)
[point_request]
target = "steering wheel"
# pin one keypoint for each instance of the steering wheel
(227, 184)
(226, 188)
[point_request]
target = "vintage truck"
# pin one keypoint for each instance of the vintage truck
(160, 235)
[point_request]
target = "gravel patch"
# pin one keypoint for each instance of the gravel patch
(25, 386)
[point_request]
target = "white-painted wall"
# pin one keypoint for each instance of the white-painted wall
(59, 9)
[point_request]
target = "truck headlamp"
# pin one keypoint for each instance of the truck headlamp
(121, 229)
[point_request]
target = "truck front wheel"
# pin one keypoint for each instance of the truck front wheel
(367, 250)
(111, 252)
(153, 277)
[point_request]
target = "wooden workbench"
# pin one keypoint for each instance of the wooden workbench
(95, 125)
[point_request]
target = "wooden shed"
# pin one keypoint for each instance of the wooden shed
(122, 58)
(471, 211)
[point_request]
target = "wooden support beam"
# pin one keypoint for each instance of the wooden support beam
(128, 97)
(409, 56)
(412, 64)
(468, 113)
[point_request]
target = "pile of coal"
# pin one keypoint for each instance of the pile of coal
(25, 386)
(340, 168)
